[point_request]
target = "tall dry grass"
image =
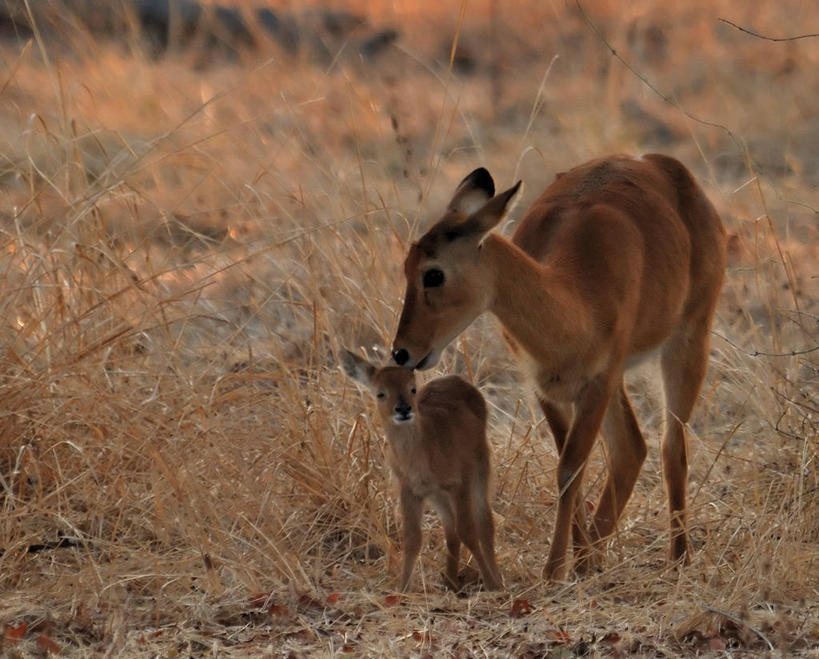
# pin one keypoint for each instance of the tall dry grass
(183, 251)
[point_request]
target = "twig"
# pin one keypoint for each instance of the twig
(665, 97)
(739, 621)
(461, 15)
(60, 543)
(809, 408)
(762, 36)
(785, 433)
(714, 461)
(15, 66)
(759, 353)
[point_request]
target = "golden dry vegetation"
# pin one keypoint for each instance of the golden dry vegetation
(187, 241)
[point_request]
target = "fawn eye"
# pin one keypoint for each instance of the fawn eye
(381, 394)
(412, 390)
(433, 278)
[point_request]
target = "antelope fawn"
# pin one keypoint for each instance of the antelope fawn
(438, 451)
(618, 258)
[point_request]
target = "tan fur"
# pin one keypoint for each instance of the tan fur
(619, 257)
(439, 454)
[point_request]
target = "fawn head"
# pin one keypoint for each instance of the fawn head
(393, 386)
(447, 287)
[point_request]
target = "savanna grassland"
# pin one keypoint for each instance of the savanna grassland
(187, 240)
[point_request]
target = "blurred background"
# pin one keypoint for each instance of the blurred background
(201, 202)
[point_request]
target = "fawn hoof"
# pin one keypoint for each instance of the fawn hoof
(588, 562)
(589, 557)
(468, 580)
(452, 582)
(492, 585)
(678, 552)
(679, 561)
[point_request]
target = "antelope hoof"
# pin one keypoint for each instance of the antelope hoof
(590, 560)
(554, 573)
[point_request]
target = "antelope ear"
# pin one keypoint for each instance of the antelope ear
(358, 368)
(490, 214)
(473, 192)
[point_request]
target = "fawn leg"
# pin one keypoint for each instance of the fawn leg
(442, 502)
(485, 524)
(467, 531)
(412, 508)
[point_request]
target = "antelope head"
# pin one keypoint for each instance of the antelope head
(448, 286)
(394, 387)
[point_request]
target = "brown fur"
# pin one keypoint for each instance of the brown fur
(440, 454)
(618, 257)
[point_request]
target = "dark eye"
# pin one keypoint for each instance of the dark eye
(381, 394)
(433, 278)
(412, 390)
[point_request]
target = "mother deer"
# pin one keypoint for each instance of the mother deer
(618, 258)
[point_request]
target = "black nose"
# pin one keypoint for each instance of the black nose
(403, 408)
(400, 356)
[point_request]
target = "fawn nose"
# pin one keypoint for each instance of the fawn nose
(400, 356)
(403, 409)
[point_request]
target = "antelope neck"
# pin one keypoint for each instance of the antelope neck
(535, 304)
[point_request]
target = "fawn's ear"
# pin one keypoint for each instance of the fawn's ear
(358, 368)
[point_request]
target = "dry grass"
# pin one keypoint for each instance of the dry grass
(183, 251)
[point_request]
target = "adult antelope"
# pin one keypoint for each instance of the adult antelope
(619, 257)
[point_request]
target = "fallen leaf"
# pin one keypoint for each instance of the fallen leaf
(611, 638)
(48, 645)
(392, 600)
(15, 634)
(279, 610)
(560, 636)
(520, 608)
(423, 637)
(306, 602)
(717, 643)
(332, 598)
(347, 649)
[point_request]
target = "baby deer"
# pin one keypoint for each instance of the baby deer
(438, 451)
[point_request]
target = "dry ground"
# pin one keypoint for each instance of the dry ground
(185, 243)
